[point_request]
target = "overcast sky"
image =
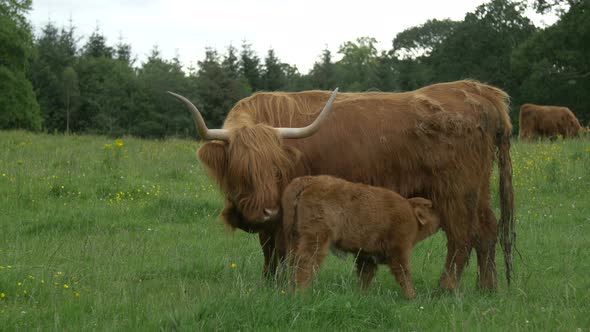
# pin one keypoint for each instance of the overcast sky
(298, 31)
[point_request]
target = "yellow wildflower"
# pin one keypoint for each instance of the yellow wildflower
(233, 265)
(2, 295)
(66, 286)
(77, 294)
(19, 284)
(119, 143)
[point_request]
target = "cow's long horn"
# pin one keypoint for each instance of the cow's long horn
(204, 132)
(313, 127)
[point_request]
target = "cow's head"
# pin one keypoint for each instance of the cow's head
(251, 164)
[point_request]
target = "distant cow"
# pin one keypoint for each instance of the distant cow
(377, 225)
(547, 121)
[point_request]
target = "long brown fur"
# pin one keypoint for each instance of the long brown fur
(438, 142)
(537, 121)
(377, 225)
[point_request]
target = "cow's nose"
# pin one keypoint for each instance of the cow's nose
(270, 213)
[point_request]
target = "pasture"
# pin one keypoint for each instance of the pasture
(102, 234)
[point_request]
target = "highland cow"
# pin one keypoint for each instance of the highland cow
(536, 121)
(377, 225)
(439, 142)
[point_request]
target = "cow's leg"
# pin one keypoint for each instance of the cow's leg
(458, 251)
(461, 227)
(485, 248)
(399, 264)
(311, 251)
(365, 269)
(267, 242)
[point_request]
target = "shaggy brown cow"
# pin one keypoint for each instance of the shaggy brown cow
(375, 224)
(547, 121)
(437, 142)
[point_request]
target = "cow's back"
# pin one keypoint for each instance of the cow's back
(385, 139)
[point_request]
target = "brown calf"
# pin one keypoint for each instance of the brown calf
(377, 225)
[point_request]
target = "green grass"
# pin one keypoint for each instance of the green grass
(94, 236)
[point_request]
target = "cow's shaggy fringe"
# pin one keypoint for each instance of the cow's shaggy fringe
(264, 167)
(259, 162)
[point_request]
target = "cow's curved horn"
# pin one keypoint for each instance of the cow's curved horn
(204, 132)
(313, 127)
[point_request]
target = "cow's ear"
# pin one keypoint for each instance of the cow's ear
(214, 156)
(293, 153)
(422, 209)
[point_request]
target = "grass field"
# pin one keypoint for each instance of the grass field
(97, 234)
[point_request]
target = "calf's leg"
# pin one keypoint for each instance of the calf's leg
(311, 251)
(365, 269)
(399, 264)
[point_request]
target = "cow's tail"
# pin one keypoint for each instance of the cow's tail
(506, 191)
(507, 222)
(497, 119)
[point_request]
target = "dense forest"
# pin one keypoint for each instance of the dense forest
(48, 82)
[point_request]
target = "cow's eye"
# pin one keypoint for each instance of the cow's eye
(278, 174)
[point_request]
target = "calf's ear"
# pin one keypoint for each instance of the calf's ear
(214, 156)
(421, 208)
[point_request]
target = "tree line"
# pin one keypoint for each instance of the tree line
(50, 83)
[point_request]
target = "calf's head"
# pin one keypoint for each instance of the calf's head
(426, 217)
